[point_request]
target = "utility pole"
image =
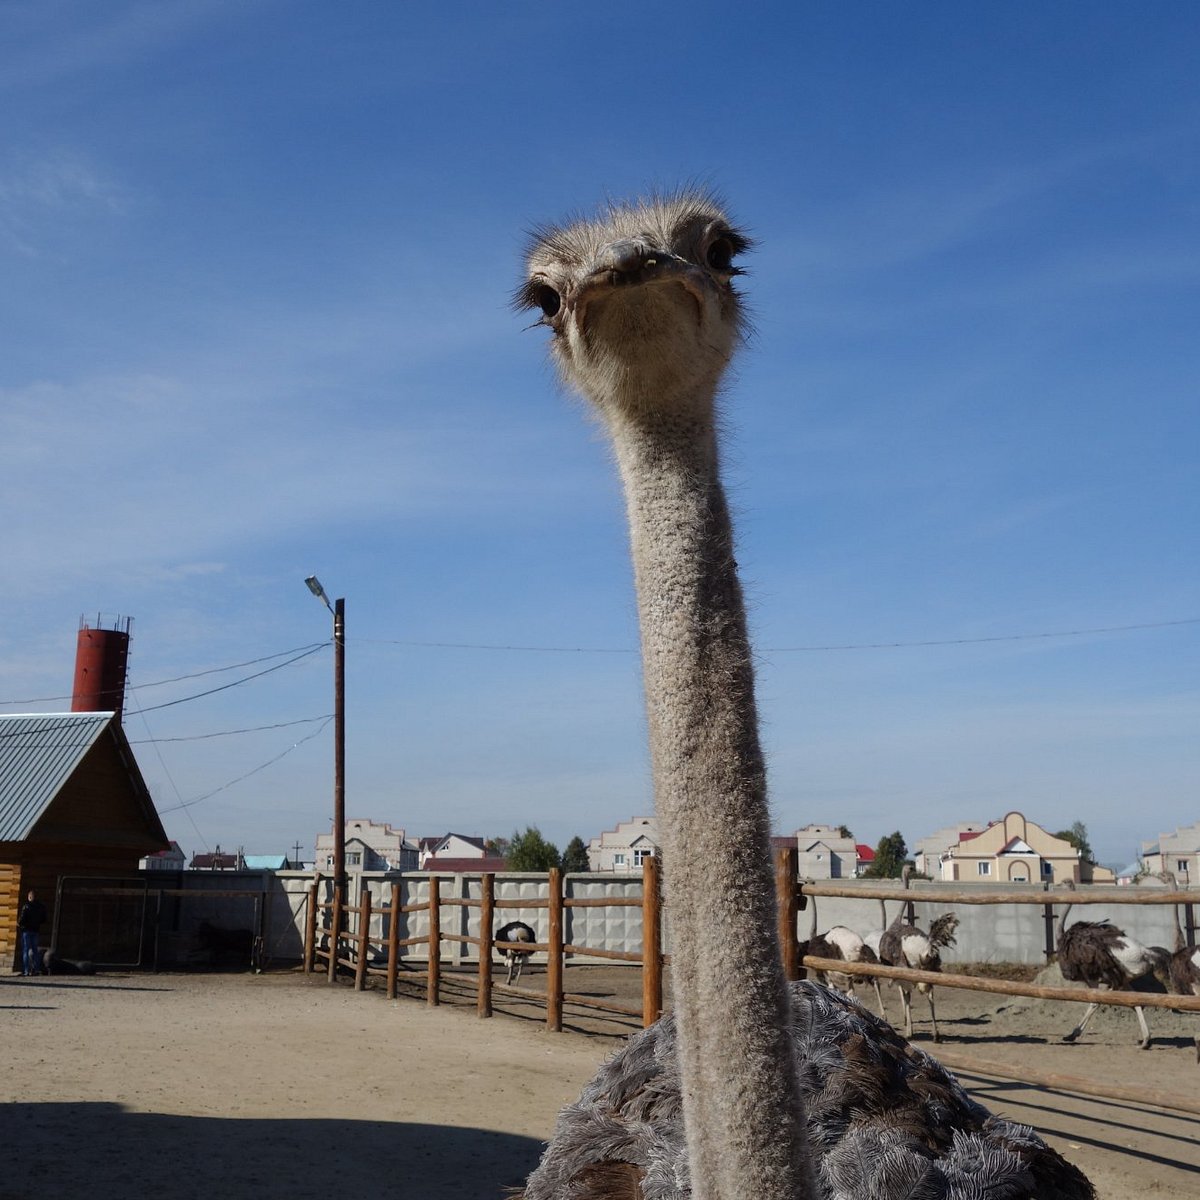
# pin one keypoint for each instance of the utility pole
(338, 609)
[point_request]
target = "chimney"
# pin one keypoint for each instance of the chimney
(101, 658)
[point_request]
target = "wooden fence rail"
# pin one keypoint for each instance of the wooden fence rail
(346, 942)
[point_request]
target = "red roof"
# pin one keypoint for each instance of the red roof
(865, 853)
(481, 865)
(966, 837)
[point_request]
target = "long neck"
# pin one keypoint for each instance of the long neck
(742, 1108)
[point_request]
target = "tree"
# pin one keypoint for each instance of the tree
(844, 831)
(1077, 835)
(890, 856)
(497, 846)
(529, 851)
(575, 856)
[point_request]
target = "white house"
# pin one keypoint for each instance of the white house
(626, 847)
(1178, 852)
(450, 845)
(929, 851)
(369, 847)
(824, 853)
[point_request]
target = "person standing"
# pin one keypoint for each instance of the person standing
(30, 920)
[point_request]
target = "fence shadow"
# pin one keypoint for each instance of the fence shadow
(108, 1153)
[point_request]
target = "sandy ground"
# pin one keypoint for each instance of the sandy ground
(240, 1086)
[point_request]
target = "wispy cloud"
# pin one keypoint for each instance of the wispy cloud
(37, 194)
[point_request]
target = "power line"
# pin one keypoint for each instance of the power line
(236, 683)
(967, 641)
(261, 767)
(252, 662)
(1001, 637)
(198, 737)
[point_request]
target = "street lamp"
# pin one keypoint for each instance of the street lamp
(338, 608)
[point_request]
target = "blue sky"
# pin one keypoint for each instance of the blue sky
(257, 258)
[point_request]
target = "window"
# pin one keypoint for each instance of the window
(640, 856)
(1047, 870)
(329, 860)
(985, 868)
(1181, 866)
(354, 859)
(618, 859)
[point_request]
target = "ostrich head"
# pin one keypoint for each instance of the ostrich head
(641, 302)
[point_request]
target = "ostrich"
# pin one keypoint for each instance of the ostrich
(840, 942)
(905, 945)
(710, 1102)
(1099, 955)
(514, 931)
(1183, 967)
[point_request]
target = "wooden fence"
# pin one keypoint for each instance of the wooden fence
(348, 932)
(346, 942)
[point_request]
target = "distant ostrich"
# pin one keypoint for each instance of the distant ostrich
(905, 945)
(749, 1088)
(514, 931)
(1183, 967)
(1099, 955)
(840, 942)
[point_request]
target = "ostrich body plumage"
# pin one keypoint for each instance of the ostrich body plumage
(884, 1121)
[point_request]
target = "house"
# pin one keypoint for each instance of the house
(216, 861)
(865, 856)
(1017, 850)
(1178, 852)
(265, 862)
(929, 851)
(72, 803)
(449, 845)
(369, 846)
(171, 859)
(626, 847)
(825, 853)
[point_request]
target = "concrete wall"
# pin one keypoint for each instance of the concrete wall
(997, 932)
(986, 933)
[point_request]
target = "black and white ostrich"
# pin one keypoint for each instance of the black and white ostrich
(841, 942)
(1099, 955)
(514, 931)
(905, 945)
(1183, 967)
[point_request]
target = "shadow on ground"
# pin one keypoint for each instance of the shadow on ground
(104, 1152)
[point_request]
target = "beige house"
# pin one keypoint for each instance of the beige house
(626, 847)
(370, 846)
(1178, 852)
(824, 854)
(1017, 850)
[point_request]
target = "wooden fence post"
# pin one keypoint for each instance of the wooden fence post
(310, 929)
(554, 959)
(334, 928)
(1048, 925)
(393, 941)
(652, 964)
(435, 941)
(487, 898)
(364, 938)
(787, 869)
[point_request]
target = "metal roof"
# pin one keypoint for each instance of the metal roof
(38, 754)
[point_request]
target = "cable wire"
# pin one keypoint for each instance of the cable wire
(261, 767)
(252, 662)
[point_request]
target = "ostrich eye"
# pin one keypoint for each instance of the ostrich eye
(547, 299)
(720, 254)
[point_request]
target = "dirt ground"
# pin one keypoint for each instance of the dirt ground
(240, 1086)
